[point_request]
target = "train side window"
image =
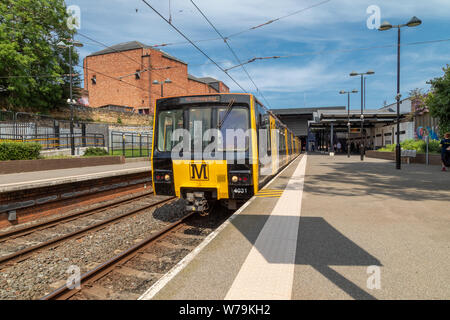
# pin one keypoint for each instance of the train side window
(168, 121)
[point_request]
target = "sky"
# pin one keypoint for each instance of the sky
(323, 43)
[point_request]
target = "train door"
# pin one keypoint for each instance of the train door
(274, 146)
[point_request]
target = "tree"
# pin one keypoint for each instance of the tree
(438, 100)
(33, 70)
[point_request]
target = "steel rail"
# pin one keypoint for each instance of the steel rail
(27, 251)
(49, 223)
(88, 278)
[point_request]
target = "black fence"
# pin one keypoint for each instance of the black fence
(130, 144)
(61, 141)
(49, 132)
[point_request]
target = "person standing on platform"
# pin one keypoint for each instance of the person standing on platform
(445, 151)
(339, 146)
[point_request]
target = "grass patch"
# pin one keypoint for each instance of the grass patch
(131, 153)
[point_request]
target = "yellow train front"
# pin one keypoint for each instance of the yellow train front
(193, 157)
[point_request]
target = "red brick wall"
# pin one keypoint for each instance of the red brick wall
(143, 95)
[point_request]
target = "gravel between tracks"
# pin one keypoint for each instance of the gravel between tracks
(40, 274)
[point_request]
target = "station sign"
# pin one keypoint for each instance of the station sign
(355, 130)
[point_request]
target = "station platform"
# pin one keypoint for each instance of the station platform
(38, 179)
(327, 228)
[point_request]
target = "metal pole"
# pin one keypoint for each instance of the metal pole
(398, 147)
(348, 125)
(162, 89)
(332, 138)
(365, 93)
(72, 139)
(362, 117)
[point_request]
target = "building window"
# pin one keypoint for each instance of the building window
(144, 111)
(94, 80)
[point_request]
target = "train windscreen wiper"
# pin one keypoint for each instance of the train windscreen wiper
(229, 108)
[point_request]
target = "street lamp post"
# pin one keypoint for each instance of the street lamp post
(413, 22)
(70, 45)
(352, 74)
(162, 85)
(348, 114)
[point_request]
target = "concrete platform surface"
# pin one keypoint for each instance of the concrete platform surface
(328, 228)
(29, 180)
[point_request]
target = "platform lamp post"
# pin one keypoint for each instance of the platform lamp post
(413, 22)
(353, 74)
(162, 84)
(71, 43)
(348, 114)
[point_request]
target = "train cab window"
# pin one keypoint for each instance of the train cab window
(168, 121)
(237, 119)
(199, 122)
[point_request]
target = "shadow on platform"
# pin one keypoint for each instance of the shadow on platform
(412, 182)
(319, 245)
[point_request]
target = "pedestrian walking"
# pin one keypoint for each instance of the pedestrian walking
(339, 146)
(445, 151)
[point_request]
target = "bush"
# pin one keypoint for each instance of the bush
(95, 152)
(419, 145)
(19, 151)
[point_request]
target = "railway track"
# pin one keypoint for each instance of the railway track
(143, 201)
(128, 274)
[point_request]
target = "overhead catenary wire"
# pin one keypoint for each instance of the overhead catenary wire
(190, 41)
(336, 51)
(233, 52)
(248, 29)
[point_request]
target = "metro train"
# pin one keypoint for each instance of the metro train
(217, 147)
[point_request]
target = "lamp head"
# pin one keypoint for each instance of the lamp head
(385, 26)
(167, 81)
(155, 82)
(77, 44)
(414, 22)
(354, 91)
(370, 72)
(342, 92)
(354, 73)
(61, 45)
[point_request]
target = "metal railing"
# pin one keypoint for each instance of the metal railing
(131, 144)
(60, 141)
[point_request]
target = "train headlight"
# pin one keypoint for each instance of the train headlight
(234, 179)
(167, 177)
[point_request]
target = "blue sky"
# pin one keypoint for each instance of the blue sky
(307, 78)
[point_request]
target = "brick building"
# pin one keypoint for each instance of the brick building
(137, 66)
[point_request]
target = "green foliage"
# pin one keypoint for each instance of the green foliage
(119, 120)
(19, 151)
(95, 152)
(438, 100)
(29, 32)
(419, 145)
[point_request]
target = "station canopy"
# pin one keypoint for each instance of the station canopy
(323, 119)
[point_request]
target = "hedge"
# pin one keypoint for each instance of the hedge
(419, 145)
(19, 150)
(92, 152)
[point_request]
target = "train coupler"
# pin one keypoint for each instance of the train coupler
(196, 202)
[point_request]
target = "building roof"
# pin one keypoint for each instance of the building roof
(206, 80)
(132, 45)
(296, 111)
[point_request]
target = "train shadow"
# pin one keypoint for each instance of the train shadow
(318, 244)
